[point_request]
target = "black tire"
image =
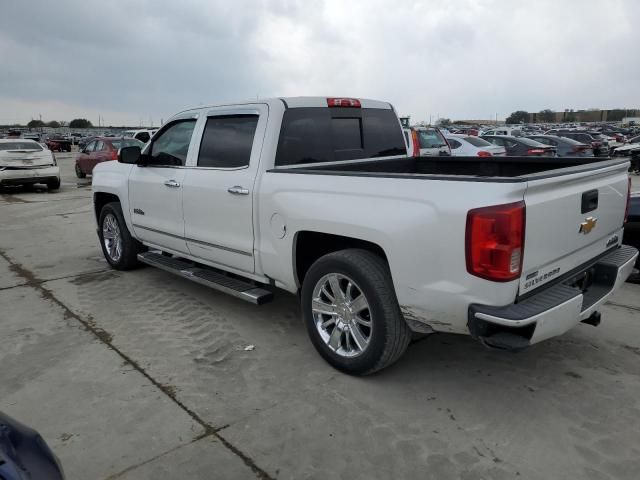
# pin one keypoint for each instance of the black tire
(389, 335)
(130, 246)
(79, 172)
(53, 184)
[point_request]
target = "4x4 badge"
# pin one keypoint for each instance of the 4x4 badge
(588, 225)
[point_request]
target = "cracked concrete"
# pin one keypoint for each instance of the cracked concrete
(135, 375)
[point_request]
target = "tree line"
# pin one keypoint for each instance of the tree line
(75, 123)
(549, 116)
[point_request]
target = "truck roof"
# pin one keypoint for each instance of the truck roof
(295, 102)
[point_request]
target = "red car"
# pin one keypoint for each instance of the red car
(101, 149)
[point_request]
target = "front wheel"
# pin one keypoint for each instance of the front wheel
(118, 246)
(351, 312)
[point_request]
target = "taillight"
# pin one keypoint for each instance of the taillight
(416, 143)
(114, 155)
(626, 209)
(535, 151)
(482, 153)
(343, 102)
(495, 241)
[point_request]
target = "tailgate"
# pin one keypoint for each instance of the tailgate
(570, 220)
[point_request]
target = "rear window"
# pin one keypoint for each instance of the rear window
(477, 142)
(430, 138)
(569, 141)
(20, 146)
(314, 135)
(528, 142)
(126, 142)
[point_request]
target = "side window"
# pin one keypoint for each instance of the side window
(454, 143)
(99, 146)
(143, 137)
(496, 141)
(89, 148)
(172, 146)
(227, 141)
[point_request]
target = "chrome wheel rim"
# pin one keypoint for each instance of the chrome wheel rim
(111, 237)
(342, 315)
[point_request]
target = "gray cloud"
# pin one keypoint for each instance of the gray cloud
(140, 59)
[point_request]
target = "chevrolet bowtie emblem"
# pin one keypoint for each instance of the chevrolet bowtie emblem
(588, 225)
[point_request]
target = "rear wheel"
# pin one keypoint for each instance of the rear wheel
(118, 246)
(53, 184)
(79, 172)
(352, 315)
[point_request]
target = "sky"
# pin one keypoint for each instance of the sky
(137, 62)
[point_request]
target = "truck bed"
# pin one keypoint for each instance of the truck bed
(496, 169)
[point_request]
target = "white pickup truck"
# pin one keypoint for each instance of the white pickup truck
(316, 196)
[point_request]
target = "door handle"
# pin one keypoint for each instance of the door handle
(238, 190)
(171, 183)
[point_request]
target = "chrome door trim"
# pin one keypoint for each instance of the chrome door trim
(193, 240)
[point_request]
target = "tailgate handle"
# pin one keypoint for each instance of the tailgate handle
(589, 201)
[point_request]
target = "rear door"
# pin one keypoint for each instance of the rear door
(219, 186)
(570, 220)
(155, 188)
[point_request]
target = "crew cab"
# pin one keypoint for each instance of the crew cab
(317, 196)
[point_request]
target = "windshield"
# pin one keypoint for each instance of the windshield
(24, 145)
(431, 138)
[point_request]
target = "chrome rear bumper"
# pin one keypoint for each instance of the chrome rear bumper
(554, 310)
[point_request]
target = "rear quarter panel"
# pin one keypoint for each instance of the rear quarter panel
(420, 225)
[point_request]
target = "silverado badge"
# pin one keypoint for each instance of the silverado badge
(588, 225)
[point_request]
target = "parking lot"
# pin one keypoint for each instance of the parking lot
(143, 375)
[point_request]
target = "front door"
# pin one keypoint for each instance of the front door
(218, 187)
(156, 188)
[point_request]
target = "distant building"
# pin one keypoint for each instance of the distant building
(591, 115)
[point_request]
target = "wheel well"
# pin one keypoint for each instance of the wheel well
(100, 199)
(309, 246)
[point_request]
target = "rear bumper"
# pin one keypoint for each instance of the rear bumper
(18, 176)
(554, 310)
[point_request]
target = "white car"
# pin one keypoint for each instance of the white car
(426, 142)
(515, 132)
(24, 162)
(316, 196)
(470, 146)
(143, 135)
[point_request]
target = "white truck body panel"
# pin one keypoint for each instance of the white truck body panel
(418, 221)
